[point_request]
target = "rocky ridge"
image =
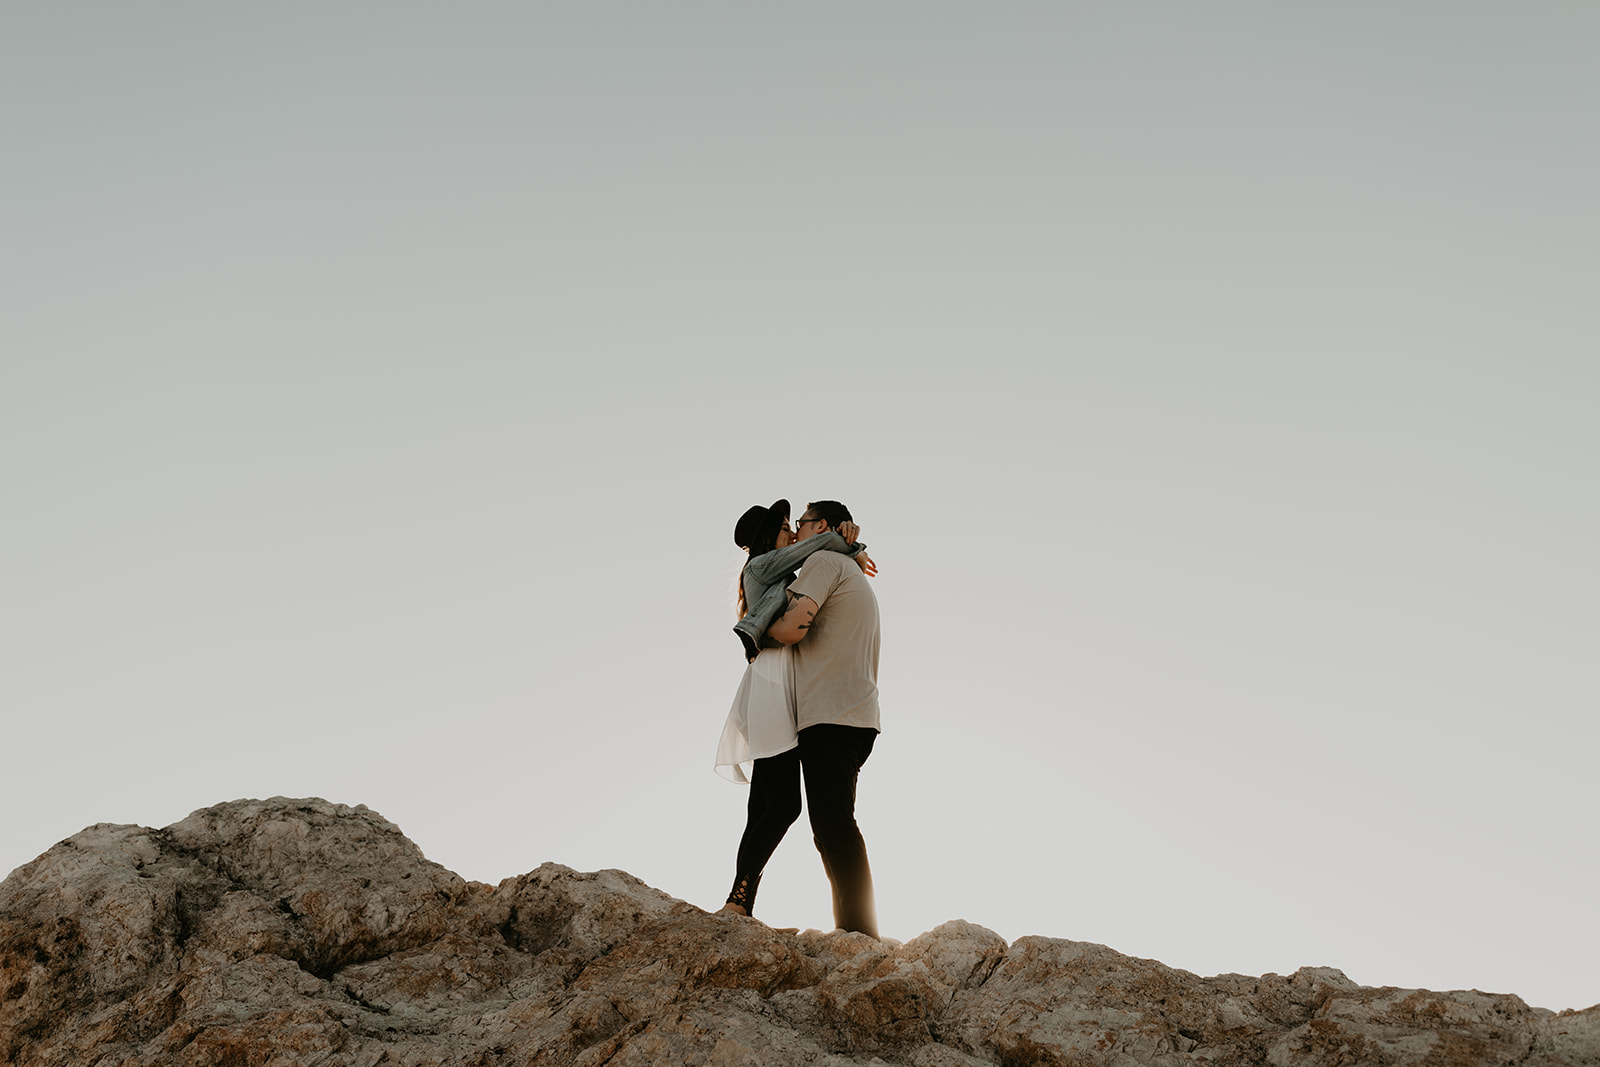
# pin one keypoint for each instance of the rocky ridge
(302, 932)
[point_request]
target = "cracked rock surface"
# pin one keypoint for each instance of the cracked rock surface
(279, 932)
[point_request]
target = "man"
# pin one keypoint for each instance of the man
(832, 622)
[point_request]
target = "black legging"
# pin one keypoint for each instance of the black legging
(830, 757)
(774, 806)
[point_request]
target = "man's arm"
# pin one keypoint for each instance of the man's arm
(796, 622)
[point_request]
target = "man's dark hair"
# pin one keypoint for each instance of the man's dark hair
(830, 511)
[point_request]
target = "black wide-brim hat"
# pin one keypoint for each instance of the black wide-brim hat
(757, 521)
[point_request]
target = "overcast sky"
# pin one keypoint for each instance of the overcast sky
(1214, 385)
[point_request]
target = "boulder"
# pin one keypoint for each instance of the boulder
(299, 932)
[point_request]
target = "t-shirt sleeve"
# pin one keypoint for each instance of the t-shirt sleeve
(820, 576)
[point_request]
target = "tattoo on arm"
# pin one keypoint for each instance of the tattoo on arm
(797, 618)
(794, 602)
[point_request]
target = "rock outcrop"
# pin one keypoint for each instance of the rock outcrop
(308, 933)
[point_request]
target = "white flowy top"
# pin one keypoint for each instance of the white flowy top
(761, 722)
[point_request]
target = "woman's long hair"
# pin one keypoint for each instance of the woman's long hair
(764, 541)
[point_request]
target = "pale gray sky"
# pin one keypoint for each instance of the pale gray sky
(379, 386)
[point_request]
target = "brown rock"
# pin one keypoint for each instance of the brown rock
(302, 932)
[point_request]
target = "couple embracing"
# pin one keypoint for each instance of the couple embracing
(807, 707)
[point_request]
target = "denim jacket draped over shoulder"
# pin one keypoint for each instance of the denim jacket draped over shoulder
(766, 580)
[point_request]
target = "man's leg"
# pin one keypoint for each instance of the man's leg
(773, 808)
(830, 758)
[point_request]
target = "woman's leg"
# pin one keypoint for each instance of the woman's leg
(774, 806)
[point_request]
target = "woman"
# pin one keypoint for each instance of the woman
(761, 724)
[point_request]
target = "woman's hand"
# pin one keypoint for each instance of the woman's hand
(868, 567)
(850, 532)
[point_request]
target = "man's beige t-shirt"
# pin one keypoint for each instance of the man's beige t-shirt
(836, 663)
